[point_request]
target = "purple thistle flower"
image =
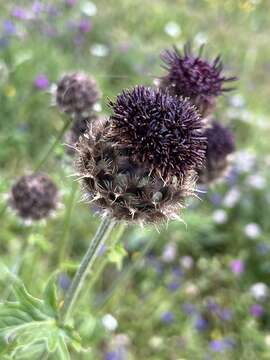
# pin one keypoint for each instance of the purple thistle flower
(237, 266)
(167, 317)
(192, 76)
(256, 310)
(160, 129)
(41, 82)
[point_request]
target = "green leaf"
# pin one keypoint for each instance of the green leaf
(116, 255)
(50, 296)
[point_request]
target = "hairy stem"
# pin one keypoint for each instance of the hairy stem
(79, 279)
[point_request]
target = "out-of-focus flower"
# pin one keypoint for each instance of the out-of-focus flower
(221, 345)
(9, 27)
(71, 3)
(263, 248)
(173, 285)
(216, 199)
(201, 323)
(186, 262)
(189, 308)
(167, 317)
(237, 266)
(267, 340)
(244, 161)
(256, 310)
(200, 39)
(172, 29)
(220, 216)
(191, 289)
(19, 13)
(41, 82)
(256, 181)
(225, 314)
(252, 230)
(99, 50)
(64, 281)
(232, 197)
(169, 253)
(237, 100)
(85, 26)
(109, 322)
(88, 8)
(259, 291)
(156, 342)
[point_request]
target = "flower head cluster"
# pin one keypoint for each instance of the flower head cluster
(220, 144)
(77, 93)
(192, 76)
(34, 197)
(139, 164)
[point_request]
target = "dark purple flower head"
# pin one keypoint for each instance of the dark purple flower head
(192, 76)
(237, 266)
(220, 144)
(34, 197)
(77, 93)
(41, 82)
(162, 130)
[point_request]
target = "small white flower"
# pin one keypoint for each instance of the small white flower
(186, 262)
(172, 29)
(237, 100)
(259, 291)
(200, 39)
(231, 198)
(191, 289)
(99, 50)
(169, 253)
(156, 342)
(88, 8)
(109, 322)
(220, 216)
(256, 181)
(245, 161)
(252, 230)
(267, 340)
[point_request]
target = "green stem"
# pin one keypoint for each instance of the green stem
(52, 147)
(66, 226)
(104, 261)
(84, 267)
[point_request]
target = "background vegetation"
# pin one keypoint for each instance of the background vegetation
(194, 291)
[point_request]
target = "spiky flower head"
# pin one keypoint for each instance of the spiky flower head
(193, 76)
(139, 164)
(34, 197)
(77, 93)
(156, 128)
(220, 144)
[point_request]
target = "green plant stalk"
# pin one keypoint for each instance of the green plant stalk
(53, 145)
(79, 279)
(104, 261)
(66, 226)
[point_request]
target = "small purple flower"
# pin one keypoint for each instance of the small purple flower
(19, 13)
(71, 3)
(177, 272)
(9, 27)
(237, 266)
(41, 82)
(111, 355)
(37, 7)
(64, 281)
(221, 345)
(201, 323)
(256, 310)
(225, 314)
(102, 250)
(85, 26)
(167, 317)
(216, 199)
(213, 306)
(189, 309)
(173, 285)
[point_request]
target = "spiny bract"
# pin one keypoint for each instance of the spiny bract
(195, 77)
